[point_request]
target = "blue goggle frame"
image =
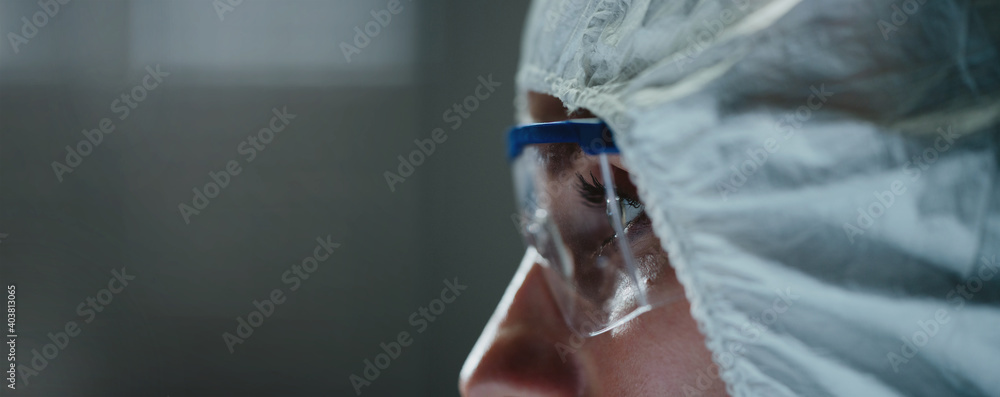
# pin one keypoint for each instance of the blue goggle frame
(593, 136)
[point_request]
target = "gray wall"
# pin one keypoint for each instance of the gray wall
(322, 175)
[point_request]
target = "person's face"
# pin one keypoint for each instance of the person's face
(527, 349)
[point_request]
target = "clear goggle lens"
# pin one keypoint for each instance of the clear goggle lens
(601, 260)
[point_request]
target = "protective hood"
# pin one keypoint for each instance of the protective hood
(823, 175)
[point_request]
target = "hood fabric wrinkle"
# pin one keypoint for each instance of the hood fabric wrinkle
(823, 175)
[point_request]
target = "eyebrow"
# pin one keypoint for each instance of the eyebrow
(559, 156)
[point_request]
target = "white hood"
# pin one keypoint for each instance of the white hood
(823, 175)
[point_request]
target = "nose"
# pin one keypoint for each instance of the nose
(516, 354)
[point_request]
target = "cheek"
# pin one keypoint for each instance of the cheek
(657, 354)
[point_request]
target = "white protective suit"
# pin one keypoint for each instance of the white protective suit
(823, 175)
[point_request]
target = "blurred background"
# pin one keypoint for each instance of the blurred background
(225, 67)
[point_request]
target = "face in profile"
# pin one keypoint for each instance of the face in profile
(576, 320)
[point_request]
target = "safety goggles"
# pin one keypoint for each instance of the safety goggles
(575, 212)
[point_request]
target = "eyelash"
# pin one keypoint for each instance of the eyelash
(594, 194)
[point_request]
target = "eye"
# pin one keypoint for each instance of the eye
(594, 195)
(631, 209)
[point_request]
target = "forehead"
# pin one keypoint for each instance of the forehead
(545, 108)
